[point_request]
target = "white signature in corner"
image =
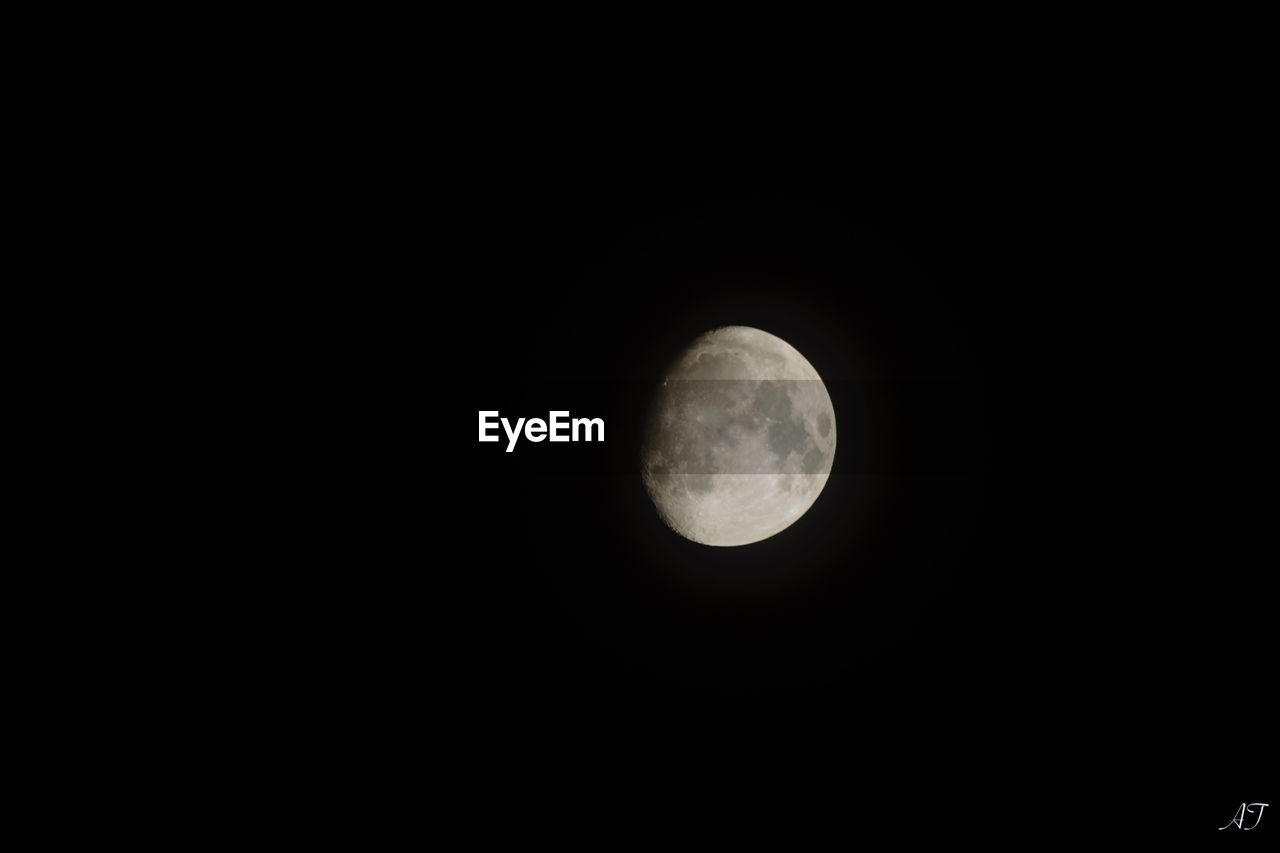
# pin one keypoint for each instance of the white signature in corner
(1245, 810)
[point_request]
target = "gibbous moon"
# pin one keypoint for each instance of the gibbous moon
(740, 438)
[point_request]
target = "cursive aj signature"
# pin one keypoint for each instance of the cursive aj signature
(1242, 813)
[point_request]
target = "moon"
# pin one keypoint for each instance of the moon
(739, 440)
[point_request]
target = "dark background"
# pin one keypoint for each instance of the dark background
(1022, 604)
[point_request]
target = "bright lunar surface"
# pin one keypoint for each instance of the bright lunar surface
(740, 438)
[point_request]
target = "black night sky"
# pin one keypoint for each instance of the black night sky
(1015, 608)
